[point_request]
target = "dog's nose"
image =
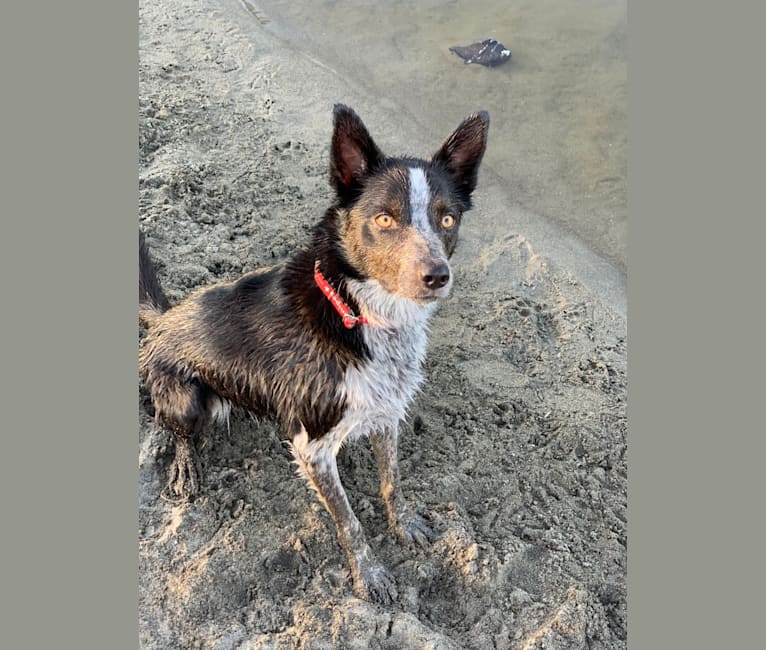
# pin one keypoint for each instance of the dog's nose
(437, 276)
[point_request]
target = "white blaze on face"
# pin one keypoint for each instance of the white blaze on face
(420, 196)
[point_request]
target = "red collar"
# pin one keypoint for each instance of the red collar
(350, 319)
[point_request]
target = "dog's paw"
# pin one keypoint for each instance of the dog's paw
(413, 528)
(375, 584)
(185, 475)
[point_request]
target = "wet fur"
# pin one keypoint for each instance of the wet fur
(271, 343)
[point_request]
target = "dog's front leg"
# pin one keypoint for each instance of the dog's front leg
(371, 580)
(408, 525)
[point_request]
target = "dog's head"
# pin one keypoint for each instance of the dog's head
(399, 217)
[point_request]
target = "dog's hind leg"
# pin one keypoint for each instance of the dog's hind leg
(408, 525)
(181, 409)
(317, 464)
(185, 472)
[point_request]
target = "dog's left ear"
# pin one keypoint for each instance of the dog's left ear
(353, 154)
(462, 152)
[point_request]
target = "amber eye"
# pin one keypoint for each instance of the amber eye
(448, 221)
(384, 220)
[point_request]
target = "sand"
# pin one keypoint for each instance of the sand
(517, 444)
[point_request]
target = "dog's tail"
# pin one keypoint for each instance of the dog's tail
(151, 299)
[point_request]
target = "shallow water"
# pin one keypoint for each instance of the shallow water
(558, 108)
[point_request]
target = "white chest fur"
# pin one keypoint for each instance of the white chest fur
(378, 391)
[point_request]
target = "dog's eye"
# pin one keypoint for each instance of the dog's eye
(384, 220)
(448, 221)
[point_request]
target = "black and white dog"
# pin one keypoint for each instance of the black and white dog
(331, 342)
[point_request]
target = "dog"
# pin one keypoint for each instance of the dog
(329, 343)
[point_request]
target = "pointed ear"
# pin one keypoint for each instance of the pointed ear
(353, 154)
(462, 152)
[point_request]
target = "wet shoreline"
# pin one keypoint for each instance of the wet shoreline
(559, 106)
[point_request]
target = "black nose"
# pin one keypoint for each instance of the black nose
(437, 276)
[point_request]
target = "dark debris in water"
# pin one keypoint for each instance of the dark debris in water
(488, 52)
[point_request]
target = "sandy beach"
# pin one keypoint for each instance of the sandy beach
(517, 443)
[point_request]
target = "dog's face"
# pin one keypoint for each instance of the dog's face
(400, 216)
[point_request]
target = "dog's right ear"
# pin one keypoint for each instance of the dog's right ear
(353, 153)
